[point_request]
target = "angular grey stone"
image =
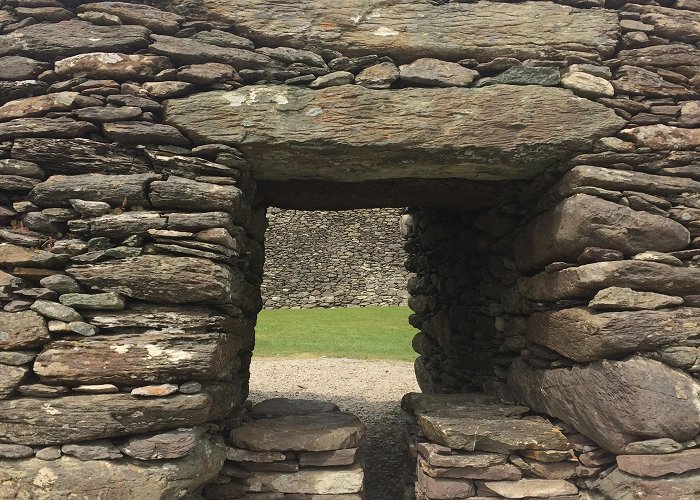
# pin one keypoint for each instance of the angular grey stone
(49, 453)
(206, 74)
(95, 450)
(117, 190)
(167, 89)
(191, 387)
(44, 127)
(20, 330)
(148, 278)
(144, 133)
(181, 193)
(442, 488)
(95, 478)
(526, 75)
(405, 29)
(241, 455)
(583, 221)
(333, 481)
(584, 335)
(184, 51)
(78, 156)
(156, 20)
(109, 301)
(633, 398)
(15, 451)
(112, 66)
(334, 458)
(16, 358)
(305, 118)
(15, 68)
(147, 358)
(436, 73)
(55, 310)
(81, 328)
(626, 299)
(32, 421)
(654, 446)
(48, 41)
(223, 39)
(10, 378)
(332, 80)
(165, 445)
(378, 76)
(90, 208)
(318, 432)
(108, 113)
(285, 407)
(60, 283)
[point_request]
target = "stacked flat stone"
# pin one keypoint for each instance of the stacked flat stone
(293, 449)
(333, 259)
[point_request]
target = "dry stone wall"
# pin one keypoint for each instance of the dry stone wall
(140, 147)
(334, 259)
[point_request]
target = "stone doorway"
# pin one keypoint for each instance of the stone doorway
(548, 151)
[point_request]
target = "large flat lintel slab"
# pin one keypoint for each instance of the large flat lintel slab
(352, 134)
(409, 29)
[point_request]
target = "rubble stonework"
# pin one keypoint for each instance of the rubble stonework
(549, 153)
(334, 259)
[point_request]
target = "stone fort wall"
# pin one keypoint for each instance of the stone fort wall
(334, 259)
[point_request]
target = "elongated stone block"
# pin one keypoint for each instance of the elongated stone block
(164, 279)
(473, 135)
(581, 221)
(583, 335)
(136, 359)
(117, 190)
(70, 477)
(614, 402)
(42, 422)
(310, 481)
(407, 30)
(583, 282)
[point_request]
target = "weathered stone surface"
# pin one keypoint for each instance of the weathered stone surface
(60, 283)
(82, 301)
(10, 378)
(47, 41)
(223, 39)
(112, 65)
(284, 125)
(507, 472)
(15, 451)
(309, 481)
(136, 359)
(660, 465)
(181, 193)
(42, 390)
(378, 76)
(93, 450)
(626, 299)
(117, 190)
(184, 51)
(54, 310)
(68, 477)
(661, 56)
(15, 68)
(155, 391)
(79, 156)
(670, 23)
(581, 221)
(333, 79)
(164, 279)
(499, 435)
(240, 455)
(444, 489)
(406, 30)
(318, 432)
(165, 445)
(663, 137)
(472, 405)
(333, 458)
(167, 89)
(108, 113)
(283, 407)
(206, 74)
(583, 282)
(587, 85)
(16, 358)
(144, 133)
(621, 486)
(624, 180)
(154, 19)
(654, 446)
(15, 255)
(639, 81)
(439, 456)
(585, 335)
(20, 330)
(531, 488)
(526, 75)
(437, 73)
(37, 106)
(633, 399)
(36, 421)
(44, 127)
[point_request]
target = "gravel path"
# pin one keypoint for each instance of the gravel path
(372, 390)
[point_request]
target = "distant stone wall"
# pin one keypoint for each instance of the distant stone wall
(334, 259)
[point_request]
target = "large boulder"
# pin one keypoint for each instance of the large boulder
(584, 221)
(619, 485)
(280, 127)
(614, 402)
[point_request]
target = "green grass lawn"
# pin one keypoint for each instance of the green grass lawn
(360, 333)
